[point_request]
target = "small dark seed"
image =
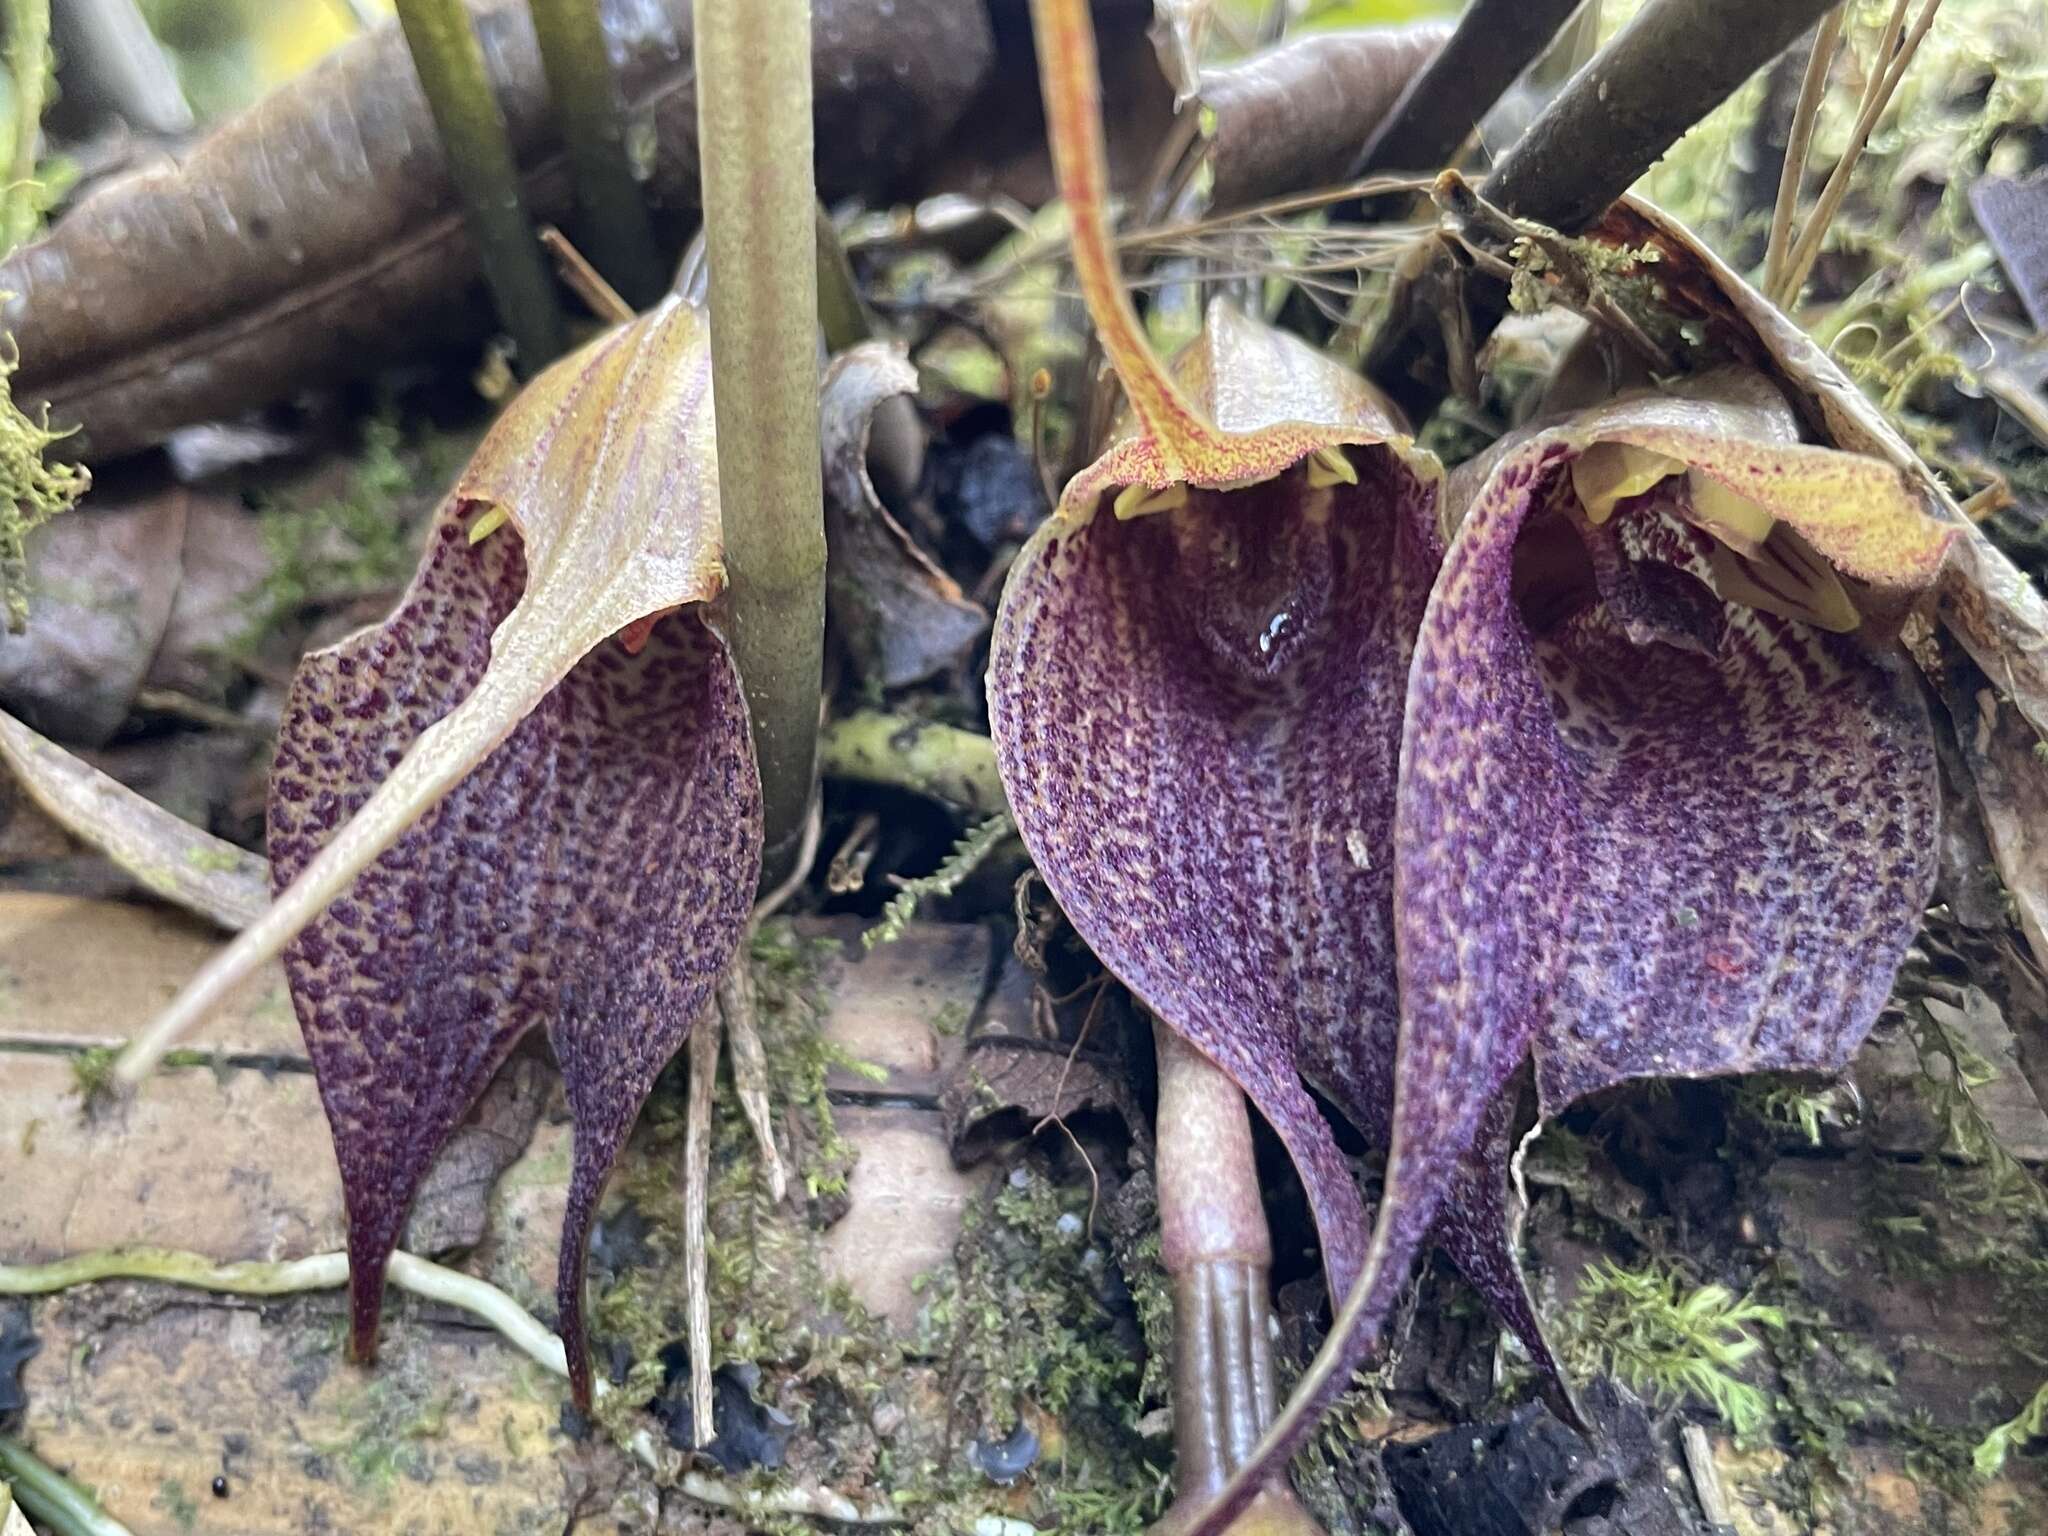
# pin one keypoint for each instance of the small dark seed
(220, 1487)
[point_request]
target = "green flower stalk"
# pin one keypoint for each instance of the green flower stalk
(613, 228)
(760, 201)
(450, 62)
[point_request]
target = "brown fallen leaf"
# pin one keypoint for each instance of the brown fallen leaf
(899, 615)
(316, 235)
(180, 862)
(130, 591)
(102, 580)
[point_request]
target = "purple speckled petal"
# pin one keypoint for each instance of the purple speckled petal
(592, 875)
(586, 852)
(1197, 716)
(1627, 857)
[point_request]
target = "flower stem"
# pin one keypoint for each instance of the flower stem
(614, 228)
(760, 202)
(1218, 1253)
(450, 62)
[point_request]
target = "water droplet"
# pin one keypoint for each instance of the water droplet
(1276, 626)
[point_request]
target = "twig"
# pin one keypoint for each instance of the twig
(705, 1040)
(614, 222)
(450, 62)
(848, 870)
(1706, 1477)
(1799, 144)
(738, 1012)
(737, 1007)
(1886, 73)
(178, 861)
(584, 280)
(64, 1508)
(760, 210)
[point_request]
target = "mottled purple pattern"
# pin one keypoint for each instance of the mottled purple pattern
(1197, 715)
(1629, 859)
(592, 875)
(1636, 859)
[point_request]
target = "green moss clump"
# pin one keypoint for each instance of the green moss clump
(1032, 1327)
(1668, 1341)
(386, 1421)
(772, 1303)
(92, 1069)
(32, 489)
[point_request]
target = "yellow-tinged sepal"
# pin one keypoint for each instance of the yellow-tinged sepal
(1607, 474)
(488, 523)
(1329, 466)
(1141, 500)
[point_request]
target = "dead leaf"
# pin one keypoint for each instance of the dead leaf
(178, 861)
(1298, 115)
(900, 616)
(194, 291)
(103, 579)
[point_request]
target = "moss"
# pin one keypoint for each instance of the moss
(771, 1301)
(33, 489)
(386, 1422)
(364, 540)
(968, 853)
(1030, 1326)
(1988, 1456)
(214, 861)
(92, 1069)
(1670, 1341)
(1144, 1272)
(176, 1503)
(1796, 1102)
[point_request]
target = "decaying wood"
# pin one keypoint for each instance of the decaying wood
(317, 235)
(1297, 115)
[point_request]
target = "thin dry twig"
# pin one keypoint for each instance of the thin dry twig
(1888, 68)
(737, 1007)
(584, 280)
(704, 1043)
(1054, 1117)
(1820, 62)
(732, 1015)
